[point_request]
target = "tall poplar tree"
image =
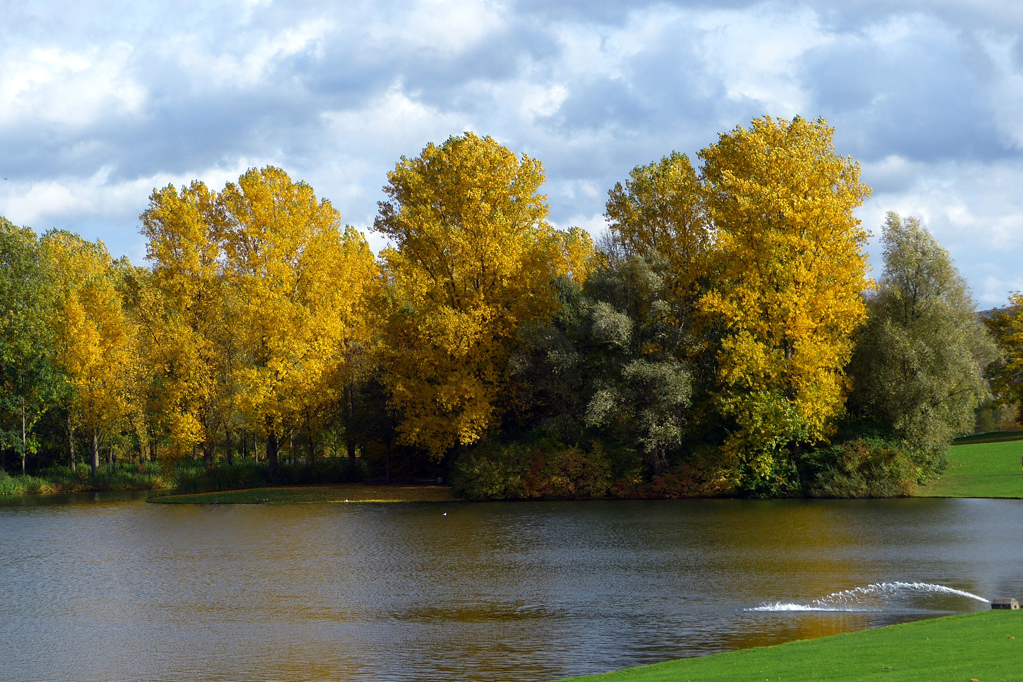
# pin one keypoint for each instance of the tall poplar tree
(660, 209)
(183, 308)
(471, 259)
(792, 271)
(1006, 373)
(303, 288)
(96, 342)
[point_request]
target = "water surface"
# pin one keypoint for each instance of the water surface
(116, 589)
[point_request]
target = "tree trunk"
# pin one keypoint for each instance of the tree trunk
(207, 453)
(227, 442)
(24, 442)
(349, 398)
(312, 444)
(95, 450)
(71, 443)
(271, 447)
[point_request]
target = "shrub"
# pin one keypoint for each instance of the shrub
(493, 475)
(544, 469)
(192, 478)
(697, 476)
(23, 485)
(556, 471)
(863, 467)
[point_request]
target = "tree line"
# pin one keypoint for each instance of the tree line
(724, 335)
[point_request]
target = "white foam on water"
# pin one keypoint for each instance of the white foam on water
(864, 599)
(783, 606)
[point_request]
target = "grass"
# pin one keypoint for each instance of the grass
(992, 437)
(989, 469)
(61, 479)
(332, 494)
(984, 647)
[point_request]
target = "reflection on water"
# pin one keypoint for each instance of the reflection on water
(115, 589)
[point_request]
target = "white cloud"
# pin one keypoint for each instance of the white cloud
(254, 54)
(392, 125)
(111, 207)
(104, 101)
(755, 54)
(69, 87)
(974, 209)
(447, 26)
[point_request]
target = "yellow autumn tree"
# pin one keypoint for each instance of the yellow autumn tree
(471, 259)
(789, 293)
(660, 208)
(183, 307)
(303, 286)
(95, 342)
(1006, 373)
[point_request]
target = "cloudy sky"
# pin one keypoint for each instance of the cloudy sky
(100, 102)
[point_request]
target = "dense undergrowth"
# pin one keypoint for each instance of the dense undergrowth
(193, 478)
(545, 468)
(62, 479)
(184, 476)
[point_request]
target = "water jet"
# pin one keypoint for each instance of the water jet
(874, 597)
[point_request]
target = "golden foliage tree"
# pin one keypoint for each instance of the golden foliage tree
(789, 293)
(96, 343)
(302, 287)
(1006, 373)
(471, 260)
(660, 209)
(183, 307)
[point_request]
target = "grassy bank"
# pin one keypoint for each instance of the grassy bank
(986, 646)
(355, 492)
(992, 437)
(990, 469)
(61, 479)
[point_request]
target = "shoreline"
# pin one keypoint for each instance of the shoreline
(984, 645)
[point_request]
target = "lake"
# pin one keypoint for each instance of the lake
(111, 588)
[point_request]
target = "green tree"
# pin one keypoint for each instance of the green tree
(917, 366)
(612, 364)
(27, 382)
(641, 386)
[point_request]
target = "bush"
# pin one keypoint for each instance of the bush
(23, 485)
(697, 476)
(860, 468)
(192, 478)
(546, 469)
(488, 473)
(566, 473)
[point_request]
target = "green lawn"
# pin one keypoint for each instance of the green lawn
(993, 437)
(980, 470)
(332, 494)
(985, 646)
